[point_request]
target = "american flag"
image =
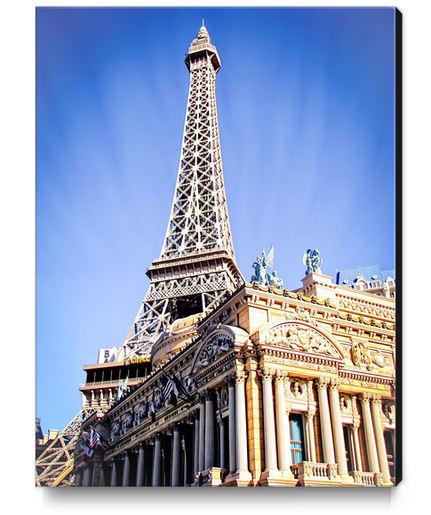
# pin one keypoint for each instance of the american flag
(95, 440)
(168, 387)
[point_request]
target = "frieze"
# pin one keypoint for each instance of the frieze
(301, 364)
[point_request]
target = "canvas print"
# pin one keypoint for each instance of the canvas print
(215, 261)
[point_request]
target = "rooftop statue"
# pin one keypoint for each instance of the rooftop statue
(260, 266)
(312, 261)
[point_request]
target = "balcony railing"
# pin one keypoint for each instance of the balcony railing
(315, 472)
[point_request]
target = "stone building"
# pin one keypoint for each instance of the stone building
(236, 383)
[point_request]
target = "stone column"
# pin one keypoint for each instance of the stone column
(283, 432)
(209, 430)
(232, 438)
(87, 476)
(369, 432)
(176, 455)
(78, 478)
(340, 448)
(97, 468)
(325, 420)
(126, 469)
(358, 460)
(309, 426)
(196, 443)
(114, 473)
(140, 466)
(380, 440)
(222, 443)
(241, 420)
(268, 419)
(157, 460)
(201, 433)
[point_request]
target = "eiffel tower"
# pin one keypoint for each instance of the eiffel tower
(197, 263)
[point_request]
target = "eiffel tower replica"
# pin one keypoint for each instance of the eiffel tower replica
(197, 263)
(196, 267)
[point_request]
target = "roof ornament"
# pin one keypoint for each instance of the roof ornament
(312, 261)
(260, 266)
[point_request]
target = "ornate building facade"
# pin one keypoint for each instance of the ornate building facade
(231, 383)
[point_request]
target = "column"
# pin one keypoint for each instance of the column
(114, 473)
(201, 433)
(309, 427)
(209, 430)
(283, 432)
(232, 440)
(126, 469)
(268, 419)
(380, 440)
(241, 419)
(196, 443)
(340, 448)
(325, 420)
(369, 432)
(87, 476)
(97, 468)
(222, 442)
(78, 478)
(157, 460)
(176, 455)
(140, 466)
(358, 460)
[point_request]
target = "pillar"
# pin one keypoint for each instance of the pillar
(340, 448)
(176, 455)
(87, 475)
(325, 420)
(209, 430)
(232, 438)
(201, 432)
(268, 420)
(126, 469)
(222, 440)
(140, 466)
(309, 428)
(369, 432)
(241, 420)
(283, 431)
(196, 443)
(78, 478)
(157, 460)
(114, 473)
(380, 440)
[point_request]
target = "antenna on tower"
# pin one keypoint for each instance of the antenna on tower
(203, 19)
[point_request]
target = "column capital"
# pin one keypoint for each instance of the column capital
(266, 373)
(322, 382)
(376, 400)
(280, 376)
(310, 414)
(241, 376)
(364, 398)
(334, 384)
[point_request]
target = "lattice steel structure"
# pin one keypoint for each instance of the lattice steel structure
(54, 467)
(197, 263)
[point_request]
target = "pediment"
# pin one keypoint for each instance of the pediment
(216, 344)
(301, 336)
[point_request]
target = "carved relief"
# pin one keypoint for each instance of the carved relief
(300, 338)
(362, 355)
(214, 347)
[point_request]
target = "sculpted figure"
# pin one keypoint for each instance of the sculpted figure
(142, 410)
(273, 280)
(312, 261)
(260, 266)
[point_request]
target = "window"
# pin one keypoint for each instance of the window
(296, 438)
(390, 450)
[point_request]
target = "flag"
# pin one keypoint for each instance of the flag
(95, 440)
(181, 391)
(122, 388)
(88, 451)
(169, 390)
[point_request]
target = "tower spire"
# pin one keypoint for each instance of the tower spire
(197, 263)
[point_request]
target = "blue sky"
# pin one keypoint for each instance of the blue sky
(305, 101)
